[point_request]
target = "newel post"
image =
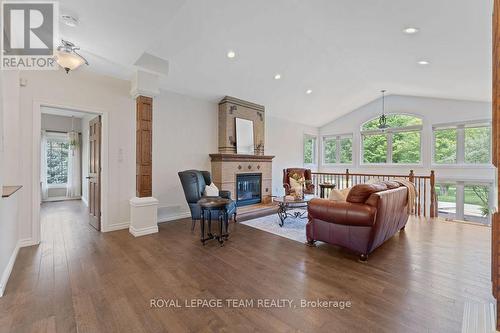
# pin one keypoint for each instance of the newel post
(346, 178)
(411, 178)
(433, 212)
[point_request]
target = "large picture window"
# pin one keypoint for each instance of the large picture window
(462, 144)
(310, 149)
(399, 143)
(57, 161)
(337, 149)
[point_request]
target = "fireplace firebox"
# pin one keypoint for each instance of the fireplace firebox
(248, 189)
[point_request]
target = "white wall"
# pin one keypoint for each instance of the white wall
(54, 122)
(184, 133)
(9, 165)
(285, 140)
(83, 91)
(433, 111)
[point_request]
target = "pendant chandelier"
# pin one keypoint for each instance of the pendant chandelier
(382, 120)
(68, 58)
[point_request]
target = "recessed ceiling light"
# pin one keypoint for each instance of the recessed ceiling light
(277, 76)
(231, 54)
(423, 62)
(69, 20)
(309, 91)
(411, 30)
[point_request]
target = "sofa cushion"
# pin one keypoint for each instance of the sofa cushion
(361, 192)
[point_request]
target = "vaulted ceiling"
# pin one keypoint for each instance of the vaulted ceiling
(345, 51)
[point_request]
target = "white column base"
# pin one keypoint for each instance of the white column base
(143, 216)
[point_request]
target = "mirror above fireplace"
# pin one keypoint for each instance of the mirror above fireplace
(244, 137)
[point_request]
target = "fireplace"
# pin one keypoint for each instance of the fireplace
(248, 189)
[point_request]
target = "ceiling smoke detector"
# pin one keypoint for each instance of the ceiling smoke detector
(69, 20)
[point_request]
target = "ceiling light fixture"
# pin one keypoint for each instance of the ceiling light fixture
(411, 30)
(69, 20)
(309, 91)
(382, 120)
(67, 57)
(423, 62)
(231, 54)
(277, 76)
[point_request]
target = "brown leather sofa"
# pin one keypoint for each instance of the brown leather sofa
(371, 214)
(303, 173)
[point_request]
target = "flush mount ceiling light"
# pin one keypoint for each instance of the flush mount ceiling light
(423, 62)
(309, 91)
(67, 57)
(411, 30)
(277, 76)
(231, 54)
(69, 20)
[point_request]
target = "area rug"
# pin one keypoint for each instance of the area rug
(293, 228)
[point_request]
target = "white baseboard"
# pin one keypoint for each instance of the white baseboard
(6, 273)
(116, 226)
(143, 231)
(85, 202)
(174, 217)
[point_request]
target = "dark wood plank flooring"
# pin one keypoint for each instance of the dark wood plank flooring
(78, 279)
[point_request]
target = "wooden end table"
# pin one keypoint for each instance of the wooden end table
(323, 187)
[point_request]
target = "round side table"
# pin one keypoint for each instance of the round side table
(219, 207)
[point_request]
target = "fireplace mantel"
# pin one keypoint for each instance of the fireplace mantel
(239, 157)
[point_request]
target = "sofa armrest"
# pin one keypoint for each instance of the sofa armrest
(225, 194)
(342, 212)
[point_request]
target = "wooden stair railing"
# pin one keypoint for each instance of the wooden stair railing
(425, 186)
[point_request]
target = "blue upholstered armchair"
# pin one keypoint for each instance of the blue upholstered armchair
(194, 182)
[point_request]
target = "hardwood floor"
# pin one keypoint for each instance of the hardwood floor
(78, 279)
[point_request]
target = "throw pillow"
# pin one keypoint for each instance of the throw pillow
(336, 195)
(211, 191)
(345, 192)
(295, 185)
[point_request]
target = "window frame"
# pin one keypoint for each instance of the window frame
(338, 138)
(460, 153)
(389, 133)
(314, 149)
(61, 138)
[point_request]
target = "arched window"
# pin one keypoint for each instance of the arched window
(398, 143)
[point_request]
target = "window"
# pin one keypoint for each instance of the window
(57, 161)
(445, 146)
(337, 149)
(478, 145)
(400, 143)
(309, 149)
(462, 144)
(465, 201)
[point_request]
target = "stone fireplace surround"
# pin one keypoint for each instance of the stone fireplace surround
(226, 164)
(226, 167)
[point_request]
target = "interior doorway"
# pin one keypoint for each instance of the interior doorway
(70, 160)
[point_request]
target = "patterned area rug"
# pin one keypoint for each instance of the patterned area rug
(294, 228)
